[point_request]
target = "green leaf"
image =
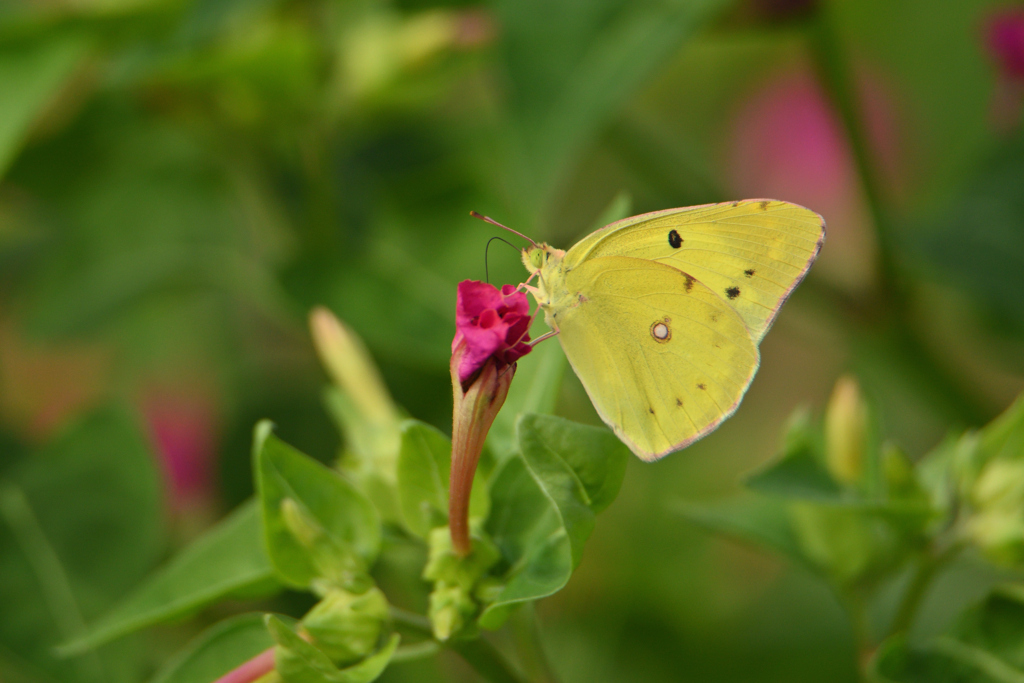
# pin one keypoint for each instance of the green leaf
(897, 662)
(30, 77)
(985, 645)
(798, 473)
(227, 561)
(424, 469)
(543, 503)
(534, 390)
(571, 72)
(217, 650)
(990, 636)
(574, 455)
(337, 519)
(370, 453)
(58, 571)
(755, 519)
(300, 662)
(1004, 437)
(989, 263)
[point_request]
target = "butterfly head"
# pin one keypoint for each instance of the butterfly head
(541, 257)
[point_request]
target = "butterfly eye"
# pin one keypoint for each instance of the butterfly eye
(660, 331)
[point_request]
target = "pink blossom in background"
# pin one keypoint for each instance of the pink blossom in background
(490, 323)
(183, 428)
(787, 143)
(1004, 40)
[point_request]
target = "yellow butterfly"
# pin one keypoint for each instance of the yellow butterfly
(661, 314)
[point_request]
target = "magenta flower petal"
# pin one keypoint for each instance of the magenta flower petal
(1006, 41)
(491, 323)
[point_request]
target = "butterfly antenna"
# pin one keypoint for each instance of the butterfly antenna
(487, 276)
(488, 219)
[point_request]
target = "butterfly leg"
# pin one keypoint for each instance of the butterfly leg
(541, 338)
(525, 286)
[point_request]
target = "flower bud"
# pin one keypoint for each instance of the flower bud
(491, 334)
(450, 610)
(351, 367)
(997, 524)
(445, 564)
(846, 424)
(898, 470)
(348, 627)
(1000, 484)
(456, 579)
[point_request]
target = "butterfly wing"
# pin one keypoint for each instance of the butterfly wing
(658, 388)
(750, 253)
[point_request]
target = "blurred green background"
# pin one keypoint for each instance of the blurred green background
(182, 180)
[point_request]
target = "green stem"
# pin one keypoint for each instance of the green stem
(406, 653)
(487, 661)
(530, 645)
(412, 621)
(478, 653)
(893, 315)
(927, 567)
(839, 83)
(54, 585)
(855, 611)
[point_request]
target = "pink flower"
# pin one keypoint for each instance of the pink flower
(787, 141)
(491, 324)
(1006, 42)
(183, 428)
(491, 334)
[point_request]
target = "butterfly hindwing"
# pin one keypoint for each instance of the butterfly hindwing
(663, 358)
(750, 253)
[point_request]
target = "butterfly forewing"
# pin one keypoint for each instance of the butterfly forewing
(662, 357)
(750, 253)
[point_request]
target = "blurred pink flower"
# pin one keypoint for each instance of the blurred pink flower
(183, 427)
(788, 143)
(491, 323)
(1005, 39)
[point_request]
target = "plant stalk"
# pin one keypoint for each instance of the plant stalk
(891, 297)
(530, 645)
(252, 670)
(474, 408)
(478, 653)
(927, 568)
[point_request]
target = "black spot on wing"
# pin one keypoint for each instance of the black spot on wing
(689, 281)
(679, 402)
(651, 409)
(674, 240)
(732, 292)
(764, 205)
(749, 272)
(702, 386)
